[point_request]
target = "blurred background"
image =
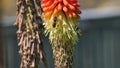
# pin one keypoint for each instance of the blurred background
(99, 46)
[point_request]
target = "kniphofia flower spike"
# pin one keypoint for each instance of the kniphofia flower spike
(61, 24)
(61, 20)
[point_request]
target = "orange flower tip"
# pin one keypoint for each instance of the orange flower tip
(77, 11)
(55, 11)
(71, 7)
(60, 6)
(45, 9)
(65, 9)
(44, 0)
(42, 5)
(52, 6)
(47, 3)
(76, 4)
(73, 14)
(69, 15)
(47, 14)
(60, 1)
(65, 2)
(72, 1)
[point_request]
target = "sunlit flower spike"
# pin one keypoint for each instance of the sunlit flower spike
(61, 24)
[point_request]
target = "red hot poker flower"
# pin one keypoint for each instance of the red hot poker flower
(69, 7)
(61, 23)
